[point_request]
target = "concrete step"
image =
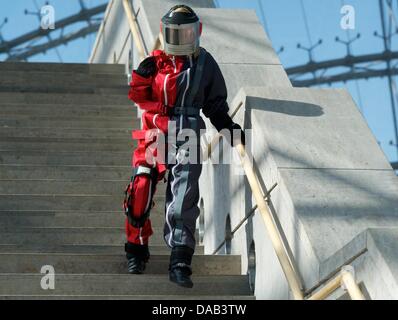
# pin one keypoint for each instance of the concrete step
(84, 249)
(113, 264)
(66, 79)
(88, 284)
(123, 297)
(61, 158)
(65, 154)
(66, 144)
(60, 187)
(74, 219)
(70, 236)
(119, 135)
(67, 202)
(62, 110)
(93, 69)
(64, 98)
(67, 172)
(53, 121)
(76, 89)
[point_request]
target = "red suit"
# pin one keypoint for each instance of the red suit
(154, 95)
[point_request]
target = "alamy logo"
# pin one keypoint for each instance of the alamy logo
(348, 19)
(48, 280)
(47, 14)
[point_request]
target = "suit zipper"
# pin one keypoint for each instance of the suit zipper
(166, 102)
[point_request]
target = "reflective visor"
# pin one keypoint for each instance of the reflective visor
(188, 34)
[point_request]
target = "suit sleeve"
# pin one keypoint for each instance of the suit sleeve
(215, 103)
(141, 93)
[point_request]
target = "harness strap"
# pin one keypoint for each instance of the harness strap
(192, 92)
(186, 111)
(197, 78)
(141, 170)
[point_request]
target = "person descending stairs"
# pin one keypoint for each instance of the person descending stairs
(65, 157)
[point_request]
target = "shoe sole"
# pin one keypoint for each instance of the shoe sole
(182, 284)
(135, 272)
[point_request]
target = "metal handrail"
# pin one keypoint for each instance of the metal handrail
(291, 275)
(344, 279)
(134, 28)
(132, 20)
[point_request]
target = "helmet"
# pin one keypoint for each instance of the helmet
(181, 29)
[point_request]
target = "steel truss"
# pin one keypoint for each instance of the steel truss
(23, 47)
(351, 67)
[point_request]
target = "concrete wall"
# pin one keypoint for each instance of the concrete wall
(376, 264)
(334, 181)
(336, 192)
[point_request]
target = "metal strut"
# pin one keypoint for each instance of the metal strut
(83, 15)
(248, 216)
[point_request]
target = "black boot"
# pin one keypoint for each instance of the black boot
(180, 266)
(137, 256)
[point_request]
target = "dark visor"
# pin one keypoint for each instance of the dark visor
(180, 36)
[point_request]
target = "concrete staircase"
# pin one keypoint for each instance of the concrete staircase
(65, 151)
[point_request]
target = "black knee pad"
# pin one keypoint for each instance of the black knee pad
(137, 250)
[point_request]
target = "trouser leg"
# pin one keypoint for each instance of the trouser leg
(139, 198)
(139, 235)
(147, 171)
(138, 204)
(182, 210)
(182, 195)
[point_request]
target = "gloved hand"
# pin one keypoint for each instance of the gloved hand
(237, 134)
(221, 120)
(147, 67)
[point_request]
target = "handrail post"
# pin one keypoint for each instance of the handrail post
(348, 283)
(291, 275)
(344, 279)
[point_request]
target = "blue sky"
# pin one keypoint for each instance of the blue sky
(285, 25)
